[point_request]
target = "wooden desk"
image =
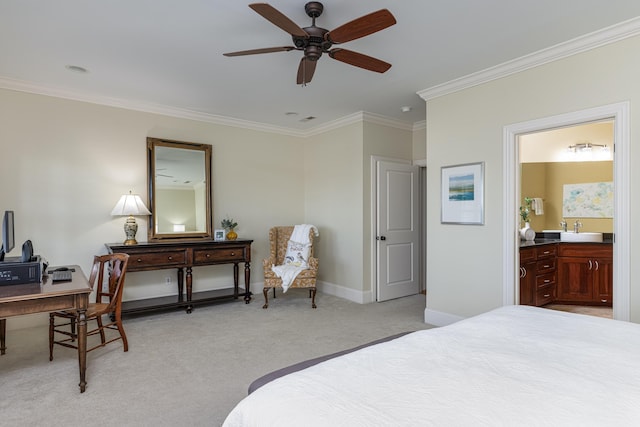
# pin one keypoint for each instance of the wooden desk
(184, 255)
(45, 297)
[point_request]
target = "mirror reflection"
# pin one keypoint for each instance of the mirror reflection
(180, 189)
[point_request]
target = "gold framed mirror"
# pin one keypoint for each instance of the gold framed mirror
(179, 190)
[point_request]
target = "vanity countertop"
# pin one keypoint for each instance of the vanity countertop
(550, 238)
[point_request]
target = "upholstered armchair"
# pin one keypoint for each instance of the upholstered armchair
(278, 240)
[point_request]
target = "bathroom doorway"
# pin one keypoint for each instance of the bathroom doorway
(618, 114)
(554, 164)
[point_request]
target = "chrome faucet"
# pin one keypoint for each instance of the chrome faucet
(576, 226)
(563, 224)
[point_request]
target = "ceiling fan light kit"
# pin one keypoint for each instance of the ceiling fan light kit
(314, 41)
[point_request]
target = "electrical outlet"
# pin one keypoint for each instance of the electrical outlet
(167, 280)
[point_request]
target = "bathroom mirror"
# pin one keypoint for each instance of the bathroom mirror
(179, 189)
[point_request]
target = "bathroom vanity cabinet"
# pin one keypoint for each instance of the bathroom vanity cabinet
(538, 274)
(585, 273)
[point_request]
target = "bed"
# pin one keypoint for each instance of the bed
(516, 365)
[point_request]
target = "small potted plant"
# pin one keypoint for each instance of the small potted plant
(229, 224)
(525, 211)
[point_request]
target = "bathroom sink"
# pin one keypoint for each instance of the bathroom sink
(570, 236)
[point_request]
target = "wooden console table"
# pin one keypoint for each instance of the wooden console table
(186, 254)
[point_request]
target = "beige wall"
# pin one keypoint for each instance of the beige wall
(333, 200)
(546, 180)
(465, 263)
(419, 146)
(338, 200)
(66, 163)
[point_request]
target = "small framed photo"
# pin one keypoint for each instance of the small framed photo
(462, 194)
(219, 234)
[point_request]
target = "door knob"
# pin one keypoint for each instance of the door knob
(381, 238)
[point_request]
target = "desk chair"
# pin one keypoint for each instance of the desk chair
(107, 281)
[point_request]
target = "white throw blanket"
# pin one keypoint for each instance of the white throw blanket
(288, 272)
(300, 233)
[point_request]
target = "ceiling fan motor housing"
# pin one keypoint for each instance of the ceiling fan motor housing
(315, 44)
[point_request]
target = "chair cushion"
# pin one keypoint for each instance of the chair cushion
(297, 254)
(304, 274)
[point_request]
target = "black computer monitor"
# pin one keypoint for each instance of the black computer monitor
(8, 235)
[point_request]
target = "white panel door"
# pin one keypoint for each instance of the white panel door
(398, 230)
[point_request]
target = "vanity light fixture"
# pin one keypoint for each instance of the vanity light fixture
(586, 146)
(130, 205)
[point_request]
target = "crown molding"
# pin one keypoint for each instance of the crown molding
(422, 124)
(23, 86)
(360, 116)
(577, 45)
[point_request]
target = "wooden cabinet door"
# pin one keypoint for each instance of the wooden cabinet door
(575, 279)
(528, 283)
(603, 281)
(527, 276)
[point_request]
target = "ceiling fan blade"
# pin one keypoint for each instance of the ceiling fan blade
(360, 27)
(359, 60)
(278, 19)
(257, 51)
(305, 71)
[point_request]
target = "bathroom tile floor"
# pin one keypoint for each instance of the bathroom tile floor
(582, 309)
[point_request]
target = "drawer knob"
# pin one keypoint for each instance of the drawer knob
(547, 281)
(233, 254)
(546, 295)
(208, 255)
(547, 266)
(138, 260)
(170, 258)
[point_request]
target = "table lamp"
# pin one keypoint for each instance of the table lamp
(130, 205)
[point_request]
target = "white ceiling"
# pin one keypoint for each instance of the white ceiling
(167, 54)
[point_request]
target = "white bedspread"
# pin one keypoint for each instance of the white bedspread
(514, 366)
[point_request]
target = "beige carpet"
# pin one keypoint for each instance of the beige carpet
(186, 369)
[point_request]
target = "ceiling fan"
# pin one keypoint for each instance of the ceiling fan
(314, 41)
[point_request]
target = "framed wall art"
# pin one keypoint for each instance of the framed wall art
(462, 194)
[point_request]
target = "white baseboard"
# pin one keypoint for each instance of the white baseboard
(360, 297)
(439, 318)
(349, 294)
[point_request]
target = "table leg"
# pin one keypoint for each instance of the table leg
(189, 289)
(82, 347)
(180, 284)
(247, 283)
(3, 336)
(236, 280)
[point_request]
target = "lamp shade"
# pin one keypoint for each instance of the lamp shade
(130, 204)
